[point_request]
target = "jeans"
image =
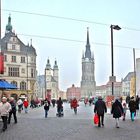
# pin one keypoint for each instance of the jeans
(26, 109)
(4, 119)
(46, 113)
(10, 115)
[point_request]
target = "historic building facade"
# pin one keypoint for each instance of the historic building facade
(127, 84)
(88, 84)
(19, 64)
(51, 80)
(73, 92)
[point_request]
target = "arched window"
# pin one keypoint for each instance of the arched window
(14, 83)
(23, 85)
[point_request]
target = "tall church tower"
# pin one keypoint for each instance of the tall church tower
(48, 75)
(55, 72)
(88, 84)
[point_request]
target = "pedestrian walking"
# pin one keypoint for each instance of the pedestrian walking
(132, 108)
(75, 105)
(13, 110)
(5, 108)
(117, 111)
(59, 107)
(100, 109)
(86, 101)
(137, 104)
(124, 111)
(46, 107)
(20, 105)
(25, 103)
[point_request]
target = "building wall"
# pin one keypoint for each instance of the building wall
(73, 92)
(138, 76)
(27, 68)
(52, 77)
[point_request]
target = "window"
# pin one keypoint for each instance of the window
(22, 70)
(32, 73)
(32, 59)
(22, 59)
(23, 85)
(13, 58)
(14, 39)
(5, 58)
(14, 83)
(13, 72)
(13, 47)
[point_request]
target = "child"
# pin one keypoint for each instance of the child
(124, 111)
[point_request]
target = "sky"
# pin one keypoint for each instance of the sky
(58, 30)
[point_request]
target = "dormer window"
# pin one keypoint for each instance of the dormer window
(13, 47)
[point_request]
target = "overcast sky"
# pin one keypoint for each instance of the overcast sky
(99, 14)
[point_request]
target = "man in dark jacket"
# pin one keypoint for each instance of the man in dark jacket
(60, 107)
(132, 108)
(46, 107)
(13, 110)
(100, 109)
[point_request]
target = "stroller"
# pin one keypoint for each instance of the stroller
(60, 112)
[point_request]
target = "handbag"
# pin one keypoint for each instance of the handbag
(96, 119)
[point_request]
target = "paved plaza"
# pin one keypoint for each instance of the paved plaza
(33, 126)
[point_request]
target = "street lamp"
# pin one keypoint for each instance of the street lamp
(45, 84)
(113, 78)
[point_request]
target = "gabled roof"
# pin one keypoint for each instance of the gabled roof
(25, 49)
(128, 76)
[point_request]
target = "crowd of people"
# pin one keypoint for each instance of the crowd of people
(118, 109)
(9, 107)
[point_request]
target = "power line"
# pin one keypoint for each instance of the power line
(67, 18)
(72, 40)
(52, 16)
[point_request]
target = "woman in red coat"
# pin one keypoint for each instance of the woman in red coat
(75, 105)
(25, 103)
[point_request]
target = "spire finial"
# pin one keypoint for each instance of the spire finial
(87, 35)
(9, 26)
(31, 42)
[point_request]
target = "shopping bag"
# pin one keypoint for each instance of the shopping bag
(96, 119)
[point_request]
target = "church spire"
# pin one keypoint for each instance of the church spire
(88, 51)
(9, 26)
(87, 35)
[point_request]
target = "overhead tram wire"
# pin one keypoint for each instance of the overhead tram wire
(67, 18)
(73, 40)
(52, 16)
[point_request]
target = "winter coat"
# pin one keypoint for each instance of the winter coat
(74, 103)
(13, 106)
(25, 103)
(47, 105)
(117, 109)
(132, 106)
(137, 103)
(100, 107)
(5, 108)
(59, 103)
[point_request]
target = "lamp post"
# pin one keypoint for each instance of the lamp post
(113, 78)
(45, 83)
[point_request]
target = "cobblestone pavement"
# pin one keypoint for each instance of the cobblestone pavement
(33, 126)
